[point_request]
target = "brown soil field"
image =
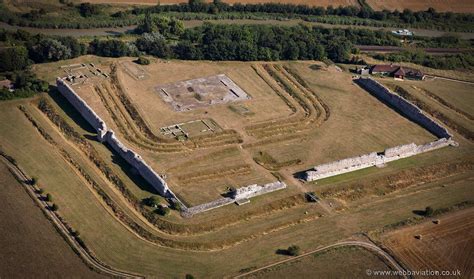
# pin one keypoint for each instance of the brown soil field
(30, 245)
(447, 246)
(458, 6)
(346, 262)
(319, 3)
(287, 129)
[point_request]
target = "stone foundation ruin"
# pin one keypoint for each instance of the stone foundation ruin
(406, 108)
(202, 92)
(134, 159)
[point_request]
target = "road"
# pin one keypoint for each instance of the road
(55, 219)
(391, 49)
(363, 244)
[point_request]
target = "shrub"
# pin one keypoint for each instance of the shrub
(152, 201)
(34, 181)
(49, 198)
(429, 211)
(55, 207)
(189, 276)
(293, 250)
(142, 60)
(40, 191)
(163, 211)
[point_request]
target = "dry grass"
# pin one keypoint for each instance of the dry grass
(30, 244)
(445, 246)
(345, 262)
(458, 6)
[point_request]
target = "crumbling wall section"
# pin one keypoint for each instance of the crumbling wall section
(139, 164)
(410, 110)
(246, 192)
(83, 108)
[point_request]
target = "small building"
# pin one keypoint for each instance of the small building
(6, 83)
(398, 72)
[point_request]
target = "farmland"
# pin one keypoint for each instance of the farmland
(29, 242)
(444, 246)
(299, 114)
(320, 3)
(458, 6)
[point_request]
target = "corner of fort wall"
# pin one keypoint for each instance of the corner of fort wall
(412, 112)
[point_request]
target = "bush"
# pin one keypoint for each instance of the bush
(34, 181)
(152, 201)
(55, 207)
(163, 211)
(429, 211)
(142, 61)
(189, 276)
(49, 198)
(293, 250)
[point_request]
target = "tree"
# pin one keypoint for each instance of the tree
(429, 211)
(339, 49)
(14, 58)
(154, 44)
(88, 9)
(50, 50)
(163, 211)
(293, 250)
(109, 48)
(55, 207)
(34, 181)
(152, 201)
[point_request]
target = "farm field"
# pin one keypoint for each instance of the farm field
(458, 6)
(445, 246)
(252, 124)
(343, 262)
(29, 241)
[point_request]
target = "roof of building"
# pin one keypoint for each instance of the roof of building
(6, 83)
(396, 70)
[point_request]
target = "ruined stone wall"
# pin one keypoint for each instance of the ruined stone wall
(139, 164)
(83, 108)
(246, 192)
(390, 154)
(411, 111)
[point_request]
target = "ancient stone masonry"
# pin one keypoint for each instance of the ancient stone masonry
(83, 108)
(390, 154)
(135, 160)
(411, 111)
(242, 193)
(139, 164)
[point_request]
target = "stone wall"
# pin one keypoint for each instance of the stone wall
(246, 192)
(83, 108)
(411, 111)
(139, 164)
(408, 109)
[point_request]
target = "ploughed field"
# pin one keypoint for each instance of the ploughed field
(99, 195)
(457, 6)
(319, 3)
(288, 118)
(447, 246)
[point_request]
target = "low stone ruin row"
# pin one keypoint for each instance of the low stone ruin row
(406, 108)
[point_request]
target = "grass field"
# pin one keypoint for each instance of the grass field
(30, 244)
(458, 6)
(447, 246)
(345, 262)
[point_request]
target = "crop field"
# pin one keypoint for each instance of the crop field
(448, 245)
(29, 242)
(458, 6)
(311, 112)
